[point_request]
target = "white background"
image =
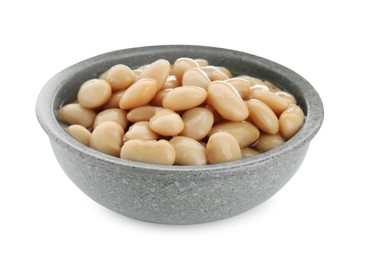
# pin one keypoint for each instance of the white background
(319, 214)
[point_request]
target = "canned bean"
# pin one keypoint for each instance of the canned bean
(113, 114)
(119, 77)
(225, 99)
(225, 71)
(139, 94)
(291, 121)
(197, 123)
(76, 114)
(171, 82)
(222, 147)
(166, 123)
(79, 133)
(183, 98)
(107, 138)
(151, 151)
(158, 70)
(140, 130)
(94, 93)
(218, 75)
(195, 77)
(244, 132)
(188, 151)
(267, 142)
(252, 80)
(143, 113)
(287, 96)
(263, 116)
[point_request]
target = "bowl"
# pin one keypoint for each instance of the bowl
(178, 194)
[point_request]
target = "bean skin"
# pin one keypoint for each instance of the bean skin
(107, 138)
(79, 133)
(94, 93)
(183, 98)
(222, 147)
(139, 94)
(76, 114)
(263, 117)
(291, 120)
(188, 151)
(166, 123)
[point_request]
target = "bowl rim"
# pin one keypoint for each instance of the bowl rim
(46, 117)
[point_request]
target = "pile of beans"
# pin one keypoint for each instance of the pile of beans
(186, 113)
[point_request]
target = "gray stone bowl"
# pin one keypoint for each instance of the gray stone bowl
(178, 194)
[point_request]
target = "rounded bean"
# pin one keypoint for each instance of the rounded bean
(188, 151)
(244, 132)
(107, 138)
(140, 130)
(113, 114)
(197, 123)
(151, 151)
(158, 70)
(76, 114)
(222, 147)
(201, 62)
(218, 75)
(181, 65)
(241, 85)
(143, 113)
(171, 82)
(166, 123)
(258, 87)
(140, 93)
(224, 98)
(275, 102)
(291, 121)
(159, 97)
(79, 133)
(113, 102)
(263, 116)
(119, 77)
(195, 77)
(94, 93)
(267, 142)
(249, 152)
(183, 98)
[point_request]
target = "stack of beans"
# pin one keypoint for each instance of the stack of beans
(186, 113)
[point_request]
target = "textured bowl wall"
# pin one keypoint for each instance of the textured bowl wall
(178, 194)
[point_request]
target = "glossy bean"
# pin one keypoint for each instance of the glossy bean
(188, 151)
(244, 132)
(225, 99)
(183, 98)
(159, 97)
(287, 96)
(166, 123)
(225, 71)
(107, 138)
(241, 85)
(263, 116)
(275, 102)
(197, 123)
(140, 93)
(291, 120)
(76, 114)
(151, 151)
(222, 147)
(113, 102)
(202, 62)
(94, 93)
(119, 77)
(196, 77)
(218, 75)
(158, 70)
(171, 82)
(181, 65)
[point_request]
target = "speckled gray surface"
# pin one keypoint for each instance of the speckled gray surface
(178, 194)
